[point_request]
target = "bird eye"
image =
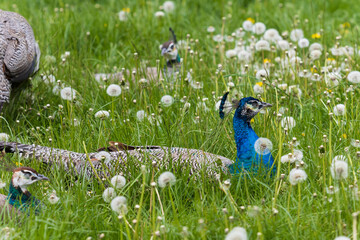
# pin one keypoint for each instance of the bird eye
(33, 178)
(172, 46)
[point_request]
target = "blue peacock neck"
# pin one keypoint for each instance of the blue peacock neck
(21, 200)
(170, 63)
(245, 138)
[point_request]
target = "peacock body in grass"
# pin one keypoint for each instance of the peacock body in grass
(19, 53)
(115, 159)
(247, 158)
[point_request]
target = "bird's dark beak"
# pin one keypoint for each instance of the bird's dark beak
(42, 177)
(163, 51)
(265, 105)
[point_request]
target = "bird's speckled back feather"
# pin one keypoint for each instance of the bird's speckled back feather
(78, 163)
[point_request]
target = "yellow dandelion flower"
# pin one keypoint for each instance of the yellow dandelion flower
(126, 10)
(346, 25)
(259, 83)
(329, 91)
(314, 70)
(344, 136)
(252, 120)
(303, 134)
(105, 25)
(330, 59)
(18, 164)
(266, 60)
(316, 36)
(251, 19)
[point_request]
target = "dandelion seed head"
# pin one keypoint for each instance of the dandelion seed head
(167, 100)
(296, 35)
(272, 35)
(354, 77)
(262, 45)
(210, 29)
(315, 54)
(263, 146)
(288, 122)
(283, 45)
(159, 14)
(297, 176)
(237, 233)
(123, 16)
(119, 205)
(230, 53)
(118, 181)
(339, 110)
(140, 115)
(103, 156)
(53, 198)
(247, 25)
(113, 90)
(166, 178)
(342, 238)
(108, 194)
(68, 93)
(339, 169)
(169, 6)
(258, 89)
(315, 46)
(4, 137)
(259, 28)
(102, 114)
(303, 43)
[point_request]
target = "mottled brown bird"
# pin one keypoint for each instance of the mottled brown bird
(106, 163)
(19, 52)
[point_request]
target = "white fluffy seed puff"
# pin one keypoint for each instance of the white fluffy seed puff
(237, 233)
(113, 90)
(339, 110)
(119, 205)
(167, 100)
(166, 178)
(354, 77)
(4, 137)
(102, 114)
(297, 176)
(109, 194)
(118, 181)
(288, 122)
(263, 146)
(103, 156)
(339, 169)
(68, 93)
(53, 198)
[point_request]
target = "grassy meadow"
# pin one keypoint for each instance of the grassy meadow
(79, 39)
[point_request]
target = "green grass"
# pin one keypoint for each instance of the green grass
(61, 26)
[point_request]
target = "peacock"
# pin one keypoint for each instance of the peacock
(247, 159)
(19, 53)
(107, 161)
(19, 200)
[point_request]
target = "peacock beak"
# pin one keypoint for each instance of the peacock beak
(265, 105)
(163, 51)
(42, 177)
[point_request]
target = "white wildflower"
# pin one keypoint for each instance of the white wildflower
(2, 184)
(102, 114)
(123, 16)
(342, 238)
(272, 35)
(169, 6)
(68, 93)
(245, 56)
(247, 25)
(103, 156)
(166, 178)
(218, 38)
(262, 73)
(283, 45)
(296, 35)
(297, 176)
(296, 156)
(140, 115)
(303, 43)
(262, 45)
(259, 28)
(258, 89)
(339, 169)
(315, 46)
(339, 110)
(50, 79)
(119, 205)
(263, 146)
(355, 143)
(4, 137)
(315, 54)
(337, 51)
(237, 233)
(109, 194)
(113, 90)
(118, 181)
(354, 77)
(210, 29)
(167, 100)
(53, 198)
(159, 14)
(288, 122)
(196, 85)
(230, 53)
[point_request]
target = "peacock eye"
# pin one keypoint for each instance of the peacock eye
(172, 46)
(33, 178)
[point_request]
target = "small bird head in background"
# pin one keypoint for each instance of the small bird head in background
(168, 49)
(25, 176)
(246, 108)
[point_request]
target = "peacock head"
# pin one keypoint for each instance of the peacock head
(245, 108)
(168, 49)
(25, 176)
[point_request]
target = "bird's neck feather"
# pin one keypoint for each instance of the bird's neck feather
(17, 196)
(245, 138)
